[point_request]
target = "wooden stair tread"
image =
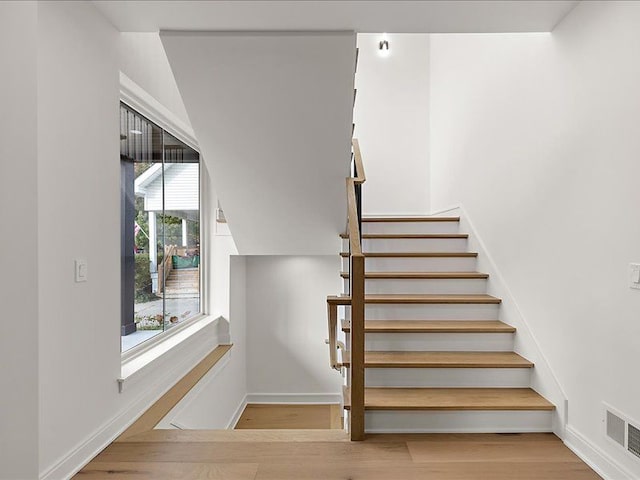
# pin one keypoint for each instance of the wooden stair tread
(376, 359)
(450, 399)
(414, 254)
(432, 326)
(408, 235)
(426, 298)
(421, 275)
(410, 219)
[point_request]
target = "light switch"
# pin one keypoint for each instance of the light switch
(81, 270)
(634, 275)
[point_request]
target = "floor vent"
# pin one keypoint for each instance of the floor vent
(633, 440)
(622, 430)
(615, 428)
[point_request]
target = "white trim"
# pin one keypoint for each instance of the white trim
(146, 353)
(147, 345)
(138, 99)
(79, 456)
(237, 414)
(499, 287)
(600, 461)
(295, 398)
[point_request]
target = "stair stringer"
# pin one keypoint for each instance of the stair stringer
(543, 379)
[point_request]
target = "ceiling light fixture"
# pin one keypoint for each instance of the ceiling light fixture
(383, 46)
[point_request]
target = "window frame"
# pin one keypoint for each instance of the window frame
(141, 102)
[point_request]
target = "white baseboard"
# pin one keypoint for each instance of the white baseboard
(236, 415)
(84, 452)
(511, 313)
(293, 398)
(595, 457)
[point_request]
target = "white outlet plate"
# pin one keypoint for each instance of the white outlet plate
(634, 275)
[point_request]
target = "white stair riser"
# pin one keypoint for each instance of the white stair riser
(422, 285)
(431, 311)
(438, 342)
(410, 227)
(503, 421)
(416, 264)
(448, 377)
(410, 245)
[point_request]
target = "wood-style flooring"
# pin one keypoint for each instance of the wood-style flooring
(292, 453)
(274, 416)
(328, 455)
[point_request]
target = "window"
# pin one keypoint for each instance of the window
(160, 229)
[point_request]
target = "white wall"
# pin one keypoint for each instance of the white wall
(392, 123)
(274, 124)
(78, 217)
(143, 60)
(217, 401)
(287, 326)
(78, 195)
(538, 137)
(278, 323)
(18, 240)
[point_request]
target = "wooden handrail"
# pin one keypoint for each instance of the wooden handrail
(165, 266)
(361, 178)
(352, 216)
(355, 300)
(356, 273)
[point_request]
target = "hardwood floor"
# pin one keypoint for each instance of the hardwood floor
(292, 453)
(268, 416)
(327, 455)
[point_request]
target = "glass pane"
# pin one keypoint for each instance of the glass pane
(181, 229)
(141, 184)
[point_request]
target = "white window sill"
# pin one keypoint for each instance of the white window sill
(213, 331)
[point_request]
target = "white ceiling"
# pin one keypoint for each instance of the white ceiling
(451, 16)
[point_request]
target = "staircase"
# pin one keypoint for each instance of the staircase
(437, 357)
(182, 283)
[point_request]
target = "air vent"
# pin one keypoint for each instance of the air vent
(633, 440)
(615, 428)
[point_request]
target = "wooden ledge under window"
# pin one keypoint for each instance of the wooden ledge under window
(149, 419)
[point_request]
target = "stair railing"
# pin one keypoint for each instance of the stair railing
(356, 282)
(355, 301)
(164, 269)
(356, 289)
